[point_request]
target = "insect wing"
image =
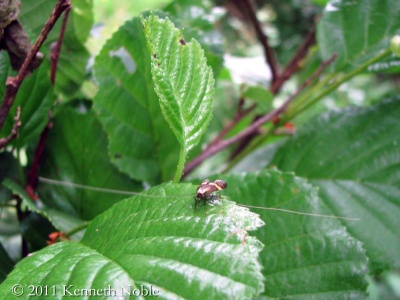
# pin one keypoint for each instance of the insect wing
(206, 190)
(220, 184)
(204, 182)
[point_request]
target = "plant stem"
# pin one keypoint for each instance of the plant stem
(308, 94)
(269, 54)
(56, 54)
(181, 165)
(31, 183)
(294, 64)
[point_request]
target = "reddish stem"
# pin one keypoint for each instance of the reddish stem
(56, 53)
(33, 172)
(240, 114)
(268, 52)
(293, 65)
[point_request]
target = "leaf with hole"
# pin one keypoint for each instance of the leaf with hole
(141, 144)
(183, 81)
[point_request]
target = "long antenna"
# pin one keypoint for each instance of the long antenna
(99, 189)
(299, 213)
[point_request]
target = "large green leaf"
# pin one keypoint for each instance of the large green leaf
(353, 155)
(35, 98)
(157, 243)
(76, 151)
(182, 80)
(305, 257)
(141, 143)
(357, 30)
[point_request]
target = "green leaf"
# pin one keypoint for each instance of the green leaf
(76, 151)
(353, 156)
(35, 98)
(182, 80)
(304, 256)
(155, 243)
(260, 95)
(357, 30)
(390, 65)
(141, 143)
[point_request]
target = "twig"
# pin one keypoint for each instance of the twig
(240, 114)
(254, 126)
(13, 83)
(293, 65)
(33, 172)
(14, 130)
(56, 53)
(268, 52)
(245, 142)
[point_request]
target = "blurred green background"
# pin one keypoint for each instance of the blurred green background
(109, 15)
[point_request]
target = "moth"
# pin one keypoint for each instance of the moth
(205, 190)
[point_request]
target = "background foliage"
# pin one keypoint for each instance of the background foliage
(140, 94)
